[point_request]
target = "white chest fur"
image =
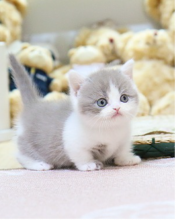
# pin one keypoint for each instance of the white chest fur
(77, 136)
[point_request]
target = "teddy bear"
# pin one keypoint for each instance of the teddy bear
(84, 55)
(161, 10)
(148, 44)
(165, 105)
(55, 96)
(21, 5)
(144, 106)
(15, 103)
(154, 79)
(59, 74)
(38, 62)
(11, 12)
(103, 38)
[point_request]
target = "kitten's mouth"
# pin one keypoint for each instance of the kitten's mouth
(116, 114)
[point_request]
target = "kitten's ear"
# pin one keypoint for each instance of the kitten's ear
(75, 81)
(127, 68)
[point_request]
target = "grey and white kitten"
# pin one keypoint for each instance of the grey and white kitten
(90, 128)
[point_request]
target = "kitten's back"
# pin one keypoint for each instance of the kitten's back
(41, 127)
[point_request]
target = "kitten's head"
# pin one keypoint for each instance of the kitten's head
(107, 95)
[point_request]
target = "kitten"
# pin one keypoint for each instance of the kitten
(88, 129)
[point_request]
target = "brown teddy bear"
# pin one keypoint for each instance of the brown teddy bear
(165, 105)
(148, 44)
(85, 55)
(60, 75)
(103, 38)
(39, 62)
(154, 79)
(11, 12)
(162, 11)
(144, 107)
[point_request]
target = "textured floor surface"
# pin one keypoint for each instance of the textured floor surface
(142, 191)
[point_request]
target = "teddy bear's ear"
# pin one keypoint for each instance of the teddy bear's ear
(21, 5)
(127, 68)
(71, 52)
(24, 46)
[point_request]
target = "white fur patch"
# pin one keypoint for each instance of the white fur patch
(114, 96)
(113, 101)
(32, 164)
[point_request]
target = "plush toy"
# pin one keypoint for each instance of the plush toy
(11, 19)
(148, 44)
(144, 107)
(172, 27)
(103, 38)
(21, 5)
(15, 104)
(55, 96)
(161, 10)
(154, 79)
(58, 75)
(39, 63)
(165, 106)
(86, 55)
(54, 53)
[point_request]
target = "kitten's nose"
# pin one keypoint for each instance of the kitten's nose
(116, 109)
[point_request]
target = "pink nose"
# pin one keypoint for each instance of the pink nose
(116, 109)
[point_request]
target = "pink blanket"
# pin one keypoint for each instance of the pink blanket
(137, 192)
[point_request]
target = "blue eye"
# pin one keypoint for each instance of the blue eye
(102, 102)
(124, 98)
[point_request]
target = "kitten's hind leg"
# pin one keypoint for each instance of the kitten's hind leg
(31, 164)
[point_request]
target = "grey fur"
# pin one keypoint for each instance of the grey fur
(99, 151)
(23, 81)
(43, 122)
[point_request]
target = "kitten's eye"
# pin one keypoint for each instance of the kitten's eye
(124, 98)
(102, 102)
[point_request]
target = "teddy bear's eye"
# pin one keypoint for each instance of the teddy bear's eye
(111, 40)
(52, 55)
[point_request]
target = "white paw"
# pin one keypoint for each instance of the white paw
(127, 161)
(97, 165)
(40, 166)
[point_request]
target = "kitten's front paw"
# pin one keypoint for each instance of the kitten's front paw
(95, 165)
(128, 160)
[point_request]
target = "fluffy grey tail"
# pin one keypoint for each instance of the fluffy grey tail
(23, 82)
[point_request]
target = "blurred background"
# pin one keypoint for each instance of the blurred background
(51, 38)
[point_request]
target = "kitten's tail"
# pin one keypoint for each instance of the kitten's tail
(23, 82)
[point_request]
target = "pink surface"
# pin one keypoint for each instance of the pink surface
(142, 191)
